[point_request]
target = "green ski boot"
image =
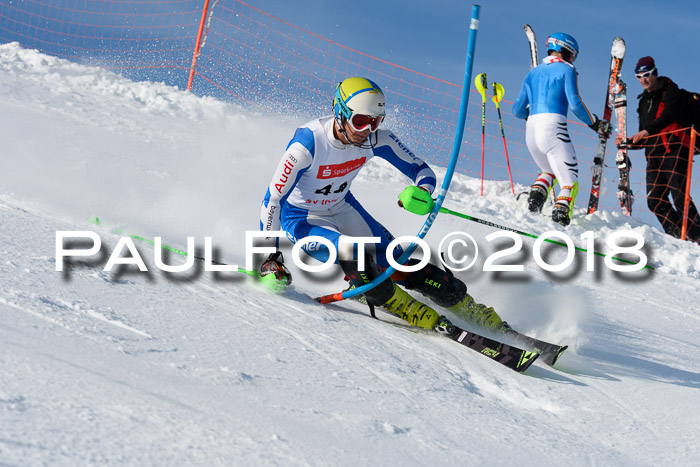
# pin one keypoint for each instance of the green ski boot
(476, 313)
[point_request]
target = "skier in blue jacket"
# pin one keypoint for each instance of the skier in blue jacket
(547, 93)
(310, 195)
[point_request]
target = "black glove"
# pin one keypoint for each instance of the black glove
(624, 144)
(274, 264)
(601, 126)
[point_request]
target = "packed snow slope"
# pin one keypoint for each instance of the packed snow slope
(200, 368)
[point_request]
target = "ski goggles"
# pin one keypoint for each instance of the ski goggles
(646, 74)
(360, 122)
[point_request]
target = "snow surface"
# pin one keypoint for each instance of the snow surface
(204, 368)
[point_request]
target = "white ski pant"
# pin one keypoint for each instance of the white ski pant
(549, 143)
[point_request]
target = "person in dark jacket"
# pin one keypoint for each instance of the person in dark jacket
(660, 107)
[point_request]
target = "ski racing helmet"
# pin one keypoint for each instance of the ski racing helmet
(360, 102)
(565, 44)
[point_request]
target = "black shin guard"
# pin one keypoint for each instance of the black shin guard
(441, 286)
(377, 296)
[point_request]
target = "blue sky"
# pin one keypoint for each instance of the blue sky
(433, 40)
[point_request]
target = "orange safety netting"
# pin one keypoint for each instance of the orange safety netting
(669, 164)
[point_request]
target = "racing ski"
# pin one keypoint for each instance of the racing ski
(507, 355)
(530, 33)
(624, 193)
(617, 54)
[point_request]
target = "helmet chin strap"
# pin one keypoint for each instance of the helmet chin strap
(341, 129)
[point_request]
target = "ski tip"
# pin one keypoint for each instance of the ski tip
(554, 358)
(529, 31)
(618, 48)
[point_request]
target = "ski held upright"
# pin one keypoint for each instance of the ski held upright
(617, 54)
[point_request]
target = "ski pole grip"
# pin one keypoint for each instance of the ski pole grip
(416, 200)
(480, 83)
(498, 92)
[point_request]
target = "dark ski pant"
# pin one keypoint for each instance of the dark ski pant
(666, 183)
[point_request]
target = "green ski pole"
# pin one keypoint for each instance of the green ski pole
(98, 222)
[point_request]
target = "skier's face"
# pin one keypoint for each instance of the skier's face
(354, 136)
(649, 82)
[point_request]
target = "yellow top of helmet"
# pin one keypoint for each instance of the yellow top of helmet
(358, 95)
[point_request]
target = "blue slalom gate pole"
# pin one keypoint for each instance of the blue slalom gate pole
(442, 193)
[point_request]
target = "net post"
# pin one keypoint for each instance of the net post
(688, 180)
(197, 44)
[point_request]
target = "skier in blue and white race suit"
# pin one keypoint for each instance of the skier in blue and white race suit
(548, 91)
(311, 188)
(310, 195)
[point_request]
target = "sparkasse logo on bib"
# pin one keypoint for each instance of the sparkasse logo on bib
(339, 170)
